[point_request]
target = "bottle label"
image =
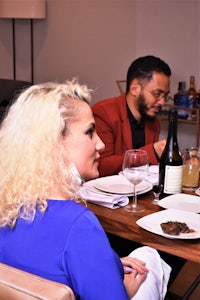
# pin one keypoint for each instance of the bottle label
(173, 179)
(190, 101)
(182, 101)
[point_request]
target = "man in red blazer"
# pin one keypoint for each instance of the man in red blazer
(129, 121)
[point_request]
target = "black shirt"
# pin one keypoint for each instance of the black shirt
(137, 129)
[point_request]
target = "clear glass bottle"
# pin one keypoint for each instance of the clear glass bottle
(182, 101)
(198, 99)
(192, 93)
(171, 163)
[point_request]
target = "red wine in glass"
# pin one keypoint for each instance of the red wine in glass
(157, 189)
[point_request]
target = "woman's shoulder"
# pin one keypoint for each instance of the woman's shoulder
(70, 207)
(68, 211)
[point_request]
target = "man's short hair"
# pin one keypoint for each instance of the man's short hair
(143, 68)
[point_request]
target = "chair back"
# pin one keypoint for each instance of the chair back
(121, 84)
(9, 89)
(19, 285)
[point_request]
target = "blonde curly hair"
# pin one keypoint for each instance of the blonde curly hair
(32, 156)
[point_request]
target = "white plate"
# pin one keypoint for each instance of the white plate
(197, 191)
(117, 184)
(152, 222)
(181, 201)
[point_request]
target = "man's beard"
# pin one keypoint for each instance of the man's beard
(142, 107)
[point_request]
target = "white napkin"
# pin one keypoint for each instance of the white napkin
(155, 285)
(110, 201)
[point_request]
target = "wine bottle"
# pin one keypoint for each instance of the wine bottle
(192, 93)
(171, 163)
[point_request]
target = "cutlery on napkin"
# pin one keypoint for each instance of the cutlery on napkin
(109, 201)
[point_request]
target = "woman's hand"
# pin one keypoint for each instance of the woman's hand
(135, 273)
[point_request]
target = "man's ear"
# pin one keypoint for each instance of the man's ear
(135, 87)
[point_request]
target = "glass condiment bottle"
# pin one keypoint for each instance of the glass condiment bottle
(182, 101)
(192, 93)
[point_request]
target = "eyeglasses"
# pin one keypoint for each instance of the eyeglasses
(158, 94)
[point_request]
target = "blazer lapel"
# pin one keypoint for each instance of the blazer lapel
(126, 129)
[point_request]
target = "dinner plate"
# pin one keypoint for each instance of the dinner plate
(181, 201)
(152, 223)
(117, 184)
(197, 191)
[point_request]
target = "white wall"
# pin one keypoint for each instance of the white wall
(170, 29)
(96, 40)
(98, 46)
(91, 39)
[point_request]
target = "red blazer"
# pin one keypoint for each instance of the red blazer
(114, 129)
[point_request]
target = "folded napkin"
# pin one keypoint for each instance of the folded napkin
(110, 201)
(155, 285)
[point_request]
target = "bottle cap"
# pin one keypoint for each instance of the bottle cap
(182, 86)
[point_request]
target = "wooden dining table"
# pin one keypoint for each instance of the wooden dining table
(123, 224)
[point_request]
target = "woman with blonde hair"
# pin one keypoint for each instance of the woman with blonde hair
(49, 145)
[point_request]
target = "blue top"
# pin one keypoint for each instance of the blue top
(67, 244)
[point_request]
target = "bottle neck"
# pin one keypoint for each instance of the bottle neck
(172, 142)
(191, 85)
(191, 81)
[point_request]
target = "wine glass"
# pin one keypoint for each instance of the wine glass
(135, 168)
(157, 189)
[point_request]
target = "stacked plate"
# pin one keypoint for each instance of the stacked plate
(116, 184)
(111, 191)
(181, 201)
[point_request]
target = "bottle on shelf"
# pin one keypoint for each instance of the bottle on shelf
(171, 163)
(198, 99)
(182, 100)
(192, 93)
(178, 92)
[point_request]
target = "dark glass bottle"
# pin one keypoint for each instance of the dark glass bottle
(171, 163)
(178, 92)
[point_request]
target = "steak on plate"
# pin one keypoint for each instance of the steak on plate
(175, 228)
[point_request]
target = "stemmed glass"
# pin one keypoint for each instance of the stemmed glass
(157, 189)
(135, 168)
